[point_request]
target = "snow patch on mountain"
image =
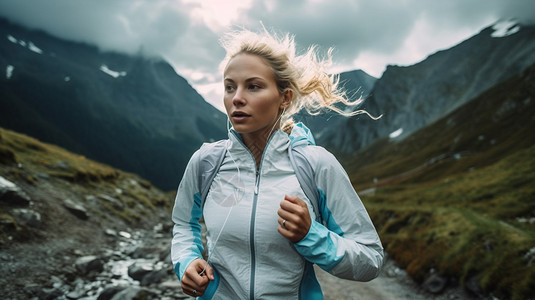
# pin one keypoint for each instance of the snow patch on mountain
(396, 133)
(110, 72)
(12, 39)
(505, 28)
(30, 45)
(9, 71)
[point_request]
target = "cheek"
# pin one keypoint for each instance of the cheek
(270, 103)
(227, 102)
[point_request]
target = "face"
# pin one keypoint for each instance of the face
(251, 98)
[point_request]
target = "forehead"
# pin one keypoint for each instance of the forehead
(247, 65)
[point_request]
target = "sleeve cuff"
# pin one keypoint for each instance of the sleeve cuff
(319, 247)
(180, 267)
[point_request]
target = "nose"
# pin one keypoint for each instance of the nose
(239, 97)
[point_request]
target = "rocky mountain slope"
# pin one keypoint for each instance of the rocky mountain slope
(414, 96)
(453, 202)
(132, 112)
(72, 228)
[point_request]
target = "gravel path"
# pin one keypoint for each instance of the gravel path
(392, 283)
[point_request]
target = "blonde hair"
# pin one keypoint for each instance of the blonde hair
(306, 75)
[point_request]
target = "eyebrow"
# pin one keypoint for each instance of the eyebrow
(246, 80)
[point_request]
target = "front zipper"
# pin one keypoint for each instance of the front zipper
(253, 212)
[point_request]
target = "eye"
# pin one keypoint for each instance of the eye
(254, 86)
(229, 88)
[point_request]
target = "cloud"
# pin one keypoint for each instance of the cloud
(366, 34)
(119, 25)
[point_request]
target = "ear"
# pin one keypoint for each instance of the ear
(287, 97)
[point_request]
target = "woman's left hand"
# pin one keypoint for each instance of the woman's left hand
(294, 219)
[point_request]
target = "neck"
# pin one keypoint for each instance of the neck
(257, 143)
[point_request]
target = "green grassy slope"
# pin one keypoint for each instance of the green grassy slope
(458, 196)
(50, 175)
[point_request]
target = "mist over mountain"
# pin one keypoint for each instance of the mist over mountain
(414, 96)
(132, 112)
(357, 84)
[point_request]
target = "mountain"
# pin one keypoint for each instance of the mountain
(132, 112)
(417, 95)
(453, 201)
(357, 84)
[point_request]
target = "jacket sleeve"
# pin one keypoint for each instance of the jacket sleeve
(347, 244)
(186, 244)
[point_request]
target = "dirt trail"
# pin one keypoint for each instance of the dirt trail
(393, 283)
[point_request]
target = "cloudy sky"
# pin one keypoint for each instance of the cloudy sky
(366, 34)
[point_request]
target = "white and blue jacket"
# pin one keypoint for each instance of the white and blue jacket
(251, 259)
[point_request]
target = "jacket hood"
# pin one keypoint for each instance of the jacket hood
(301, 135)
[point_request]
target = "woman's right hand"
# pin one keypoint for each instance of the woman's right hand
(196, 277)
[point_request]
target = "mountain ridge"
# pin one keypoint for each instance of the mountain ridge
(132, 112)
(410, 97)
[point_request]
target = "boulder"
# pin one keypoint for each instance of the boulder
(153, 277)
(435, 283)
(130, 293)
(28, 217)
(137, 271)
(110, 291)
(87, 264)
(116, 203)
(77, 210)
(11, 194)
(49, 293)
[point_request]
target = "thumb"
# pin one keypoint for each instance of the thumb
(210, 272)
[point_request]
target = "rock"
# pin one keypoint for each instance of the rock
(62, 165)
(125, 234)
(87, 264)
(76, 294)
(172, 284)
(137, 271)
(42, 175)
(165, 253)
(116, 203)
(79, 211)
(11, 194)
(110, 232)
(153, 277)
(28, 217)
(130, 293)
(145, 252)
(473, 286)
(49, 294)
(435, 284)
(7, 222)
(110, 291)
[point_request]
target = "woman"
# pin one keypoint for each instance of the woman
(262, 235)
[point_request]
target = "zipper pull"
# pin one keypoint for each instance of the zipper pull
(256, 184)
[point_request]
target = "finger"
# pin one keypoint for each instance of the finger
(295, 200)
(209, 272)
(193, 277)
(191, 288)
(291, 232)
(292, 211)
(283, 223)
(290, 206)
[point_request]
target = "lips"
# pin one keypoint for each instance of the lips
(239, 114)
(239, 117)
